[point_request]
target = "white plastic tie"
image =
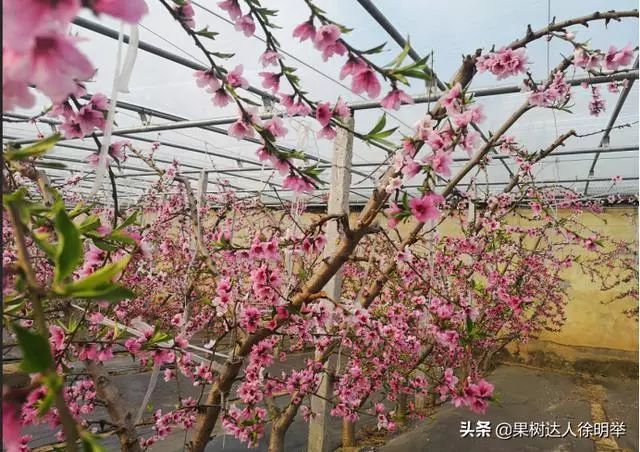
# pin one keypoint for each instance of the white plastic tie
(120, 84)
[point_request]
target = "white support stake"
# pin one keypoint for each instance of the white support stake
(319, 438)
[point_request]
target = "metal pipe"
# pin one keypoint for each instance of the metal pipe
(133, 130)
(542, 183)
(614, 116)
(172, 117)
(199, 169)
(108, 32)
(631, 75)
(375, 13)
(148, 140)
(586, 151)
(546, 182)
(507, 89)
(160, 160)
(235, 187)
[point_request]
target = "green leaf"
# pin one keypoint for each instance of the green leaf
(249, 101)
(384, 134)
(157, 338)
(17, 195)
(99, 284)
(13, 303)
(69, 252)
(313, 172)
(44, 245)
(374, 50)
(34, 150)
(206, 33)
(469, 325)
(379, 125)
(90, 443)
(397, 61)
(225, 56)
(108, 292)
(414, 73)
(36, 352)
(103, 245)
(53, 383)
(18, 201)
(89, 224)
(405, 201)
(121, 237)
(387, 143)
(77, 210)
(45, 404)
(131, 219)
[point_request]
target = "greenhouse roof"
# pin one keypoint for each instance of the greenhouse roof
(165, 105)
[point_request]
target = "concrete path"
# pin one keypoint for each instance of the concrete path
(526, 395)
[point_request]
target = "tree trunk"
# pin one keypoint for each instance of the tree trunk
(348, 433)
(209, 416)
(109, 393)
(401, 407)
(280, 426)
(276, 441)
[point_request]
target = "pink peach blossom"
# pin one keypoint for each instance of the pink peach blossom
(241, 129)
(246, 25)
(99, 102)
(440, 162)
(323, 113)
(206, 79)
(53, 65)
(395, 98)
(297, 184)
(270, 81)
(11, 425)
(341, 109)
(616, 58)
(186, 14)
(366, 80)
(24, 20)
(304, 31)
(336, 48)
(326, 35)
(221, 98)
(57, 337)
(88, 119)
(327, 132)
(426, 208)
(130, 11)
(269, 58)
(352, 67)
(231, 7)
(276, 126)
(235, 79)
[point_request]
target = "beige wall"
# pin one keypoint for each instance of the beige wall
(594, 329)
(591, 321)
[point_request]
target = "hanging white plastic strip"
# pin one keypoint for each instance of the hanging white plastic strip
(106, 139)
(120, 84)
(147, 396)
(129, 60)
